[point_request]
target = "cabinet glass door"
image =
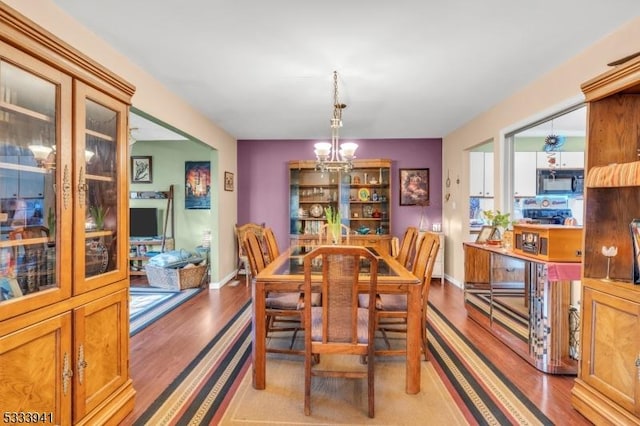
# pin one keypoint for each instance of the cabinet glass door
(30, 264)
(99, 164)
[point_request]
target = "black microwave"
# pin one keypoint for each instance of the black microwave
(560, 182)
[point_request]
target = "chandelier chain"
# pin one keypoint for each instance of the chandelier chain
(334, 156)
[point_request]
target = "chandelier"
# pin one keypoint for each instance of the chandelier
(328, 156)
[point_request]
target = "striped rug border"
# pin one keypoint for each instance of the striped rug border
(144, 319)
(204, 386)
(488, 395)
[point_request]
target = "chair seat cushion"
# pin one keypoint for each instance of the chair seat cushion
(363, 301)
(294, 301)
(392, 302)
(316, 324)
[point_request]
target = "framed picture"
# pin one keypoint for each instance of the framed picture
(485, 234)
(141, 169)
(414, 187)
(197, 184)
(228, 181)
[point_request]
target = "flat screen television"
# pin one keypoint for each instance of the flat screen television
(143, 222)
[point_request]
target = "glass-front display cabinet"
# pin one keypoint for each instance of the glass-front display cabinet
(100, 162)
(31, 212)
(52, 189)
(362, 197)
(64, 313)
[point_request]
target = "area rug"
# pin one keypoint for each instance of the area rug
(148, 304)
(485, 394)
(200, 393)
(460, 386)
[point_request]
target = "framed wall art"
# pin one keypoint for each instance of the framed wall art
(197, 184)
(228, 181)
(414, 187)
(141, 169)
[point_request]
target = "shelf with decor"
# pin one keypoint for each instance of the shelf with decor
(606, 389)
(362, 197)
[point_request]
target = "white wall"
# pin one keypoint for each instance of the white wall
(550, 93)
(156, 100)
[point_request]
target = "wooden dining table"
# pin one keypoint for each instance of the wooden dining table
(286, 274)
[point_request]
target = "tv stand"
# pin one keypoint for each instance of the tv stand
(138, 256)
(139, 248)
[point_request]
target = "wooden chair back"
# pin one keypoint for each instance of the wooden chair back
(241, 230)
(407, 245)
(30, 257)
(272, 244)
(339, 326)
(243, 262)
(255, 254)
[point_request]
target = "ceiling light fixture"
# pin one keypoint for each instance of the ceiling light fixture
(328, 156)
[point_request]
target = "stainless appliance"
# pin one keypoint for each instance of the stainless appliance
(547, 216)
(560, 182)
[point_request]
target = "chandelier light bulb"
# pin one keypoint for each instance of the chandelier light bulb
(348, 150)
(322, 149)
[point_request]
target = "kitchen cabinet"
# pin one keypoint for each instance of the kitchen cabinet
(607, 389)
(363, 197)
(64, 330)
(20, 177)
(564, 160)
(522, 303)
(481, 174)
(524, 174)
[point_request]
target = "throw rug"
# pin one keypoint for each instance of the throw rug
(216, 389)
(148, 304)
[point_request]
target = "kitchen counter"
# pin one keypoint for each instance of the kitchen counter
(525, 303)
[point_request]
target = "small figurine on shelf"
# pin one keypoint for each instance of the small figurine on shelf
(609, 252)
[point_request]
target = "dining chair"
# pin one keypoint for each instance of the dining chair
(283, 310)
(272, 244)
(407, 246)
(392, 309)
(325, 236)
(31, 256)
(339, 328)
(243, 262)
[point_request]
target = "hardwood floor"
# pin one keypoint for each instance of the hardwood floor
(161, 351)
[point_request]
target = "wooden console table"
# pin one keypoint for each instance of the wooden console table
(524, 302)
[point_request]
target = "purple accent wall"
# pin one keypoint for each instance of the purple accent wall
(263, 179)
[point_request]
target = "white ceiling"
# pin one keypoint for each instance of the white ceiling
(408, 68)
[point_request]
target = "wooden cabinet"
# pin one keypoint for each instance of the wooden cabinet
(64, 330)
(363, 197)
(563, 160)
(481, 174)
(607, 387)
(524, 174)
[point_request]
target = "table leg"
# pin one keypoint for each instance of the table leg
(414, 340)
(259, 336)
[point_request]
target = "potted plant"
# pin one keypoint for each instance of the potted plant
(333, 221)
(98, 214)
(498, 219)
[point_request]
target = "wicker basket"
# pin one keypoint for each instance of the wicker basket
(176, 278)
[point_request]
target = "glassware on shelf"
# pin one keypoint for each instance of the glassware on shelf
(609, 252)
